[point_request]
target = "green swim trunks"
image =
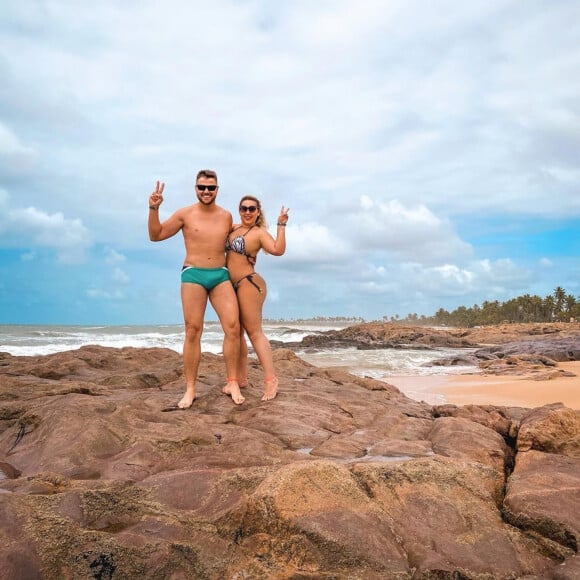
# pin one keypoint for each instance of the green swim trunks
(209, 278)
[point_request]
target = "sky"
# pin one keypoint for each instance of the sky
(429, 151)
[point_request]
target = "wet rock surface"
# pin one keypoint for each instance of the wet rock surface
(338, 477)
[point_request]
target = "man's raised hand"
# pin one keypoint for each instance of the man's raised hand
(156, 198)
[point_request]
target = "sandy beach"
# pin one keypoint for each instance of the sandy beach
(494, 390)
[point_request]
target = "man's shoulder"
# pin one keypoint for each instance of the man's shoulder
(222, 209)
(223, 213)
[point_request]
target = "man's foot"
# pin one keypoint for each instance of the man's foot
(271, 389)
(233, 390)
(187, 399)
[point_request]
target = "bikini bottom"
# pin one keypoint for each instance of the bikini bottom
(250, 279)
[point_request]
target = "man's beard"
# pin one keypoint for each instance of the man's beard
(206, 202)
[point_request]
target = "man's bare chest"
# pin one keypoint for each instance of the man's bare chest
(206, 230)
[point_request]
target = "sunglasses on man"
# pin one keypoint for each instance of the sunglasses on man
(208, 187)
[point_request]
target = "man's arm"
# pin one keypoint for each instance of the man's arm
(161, 231)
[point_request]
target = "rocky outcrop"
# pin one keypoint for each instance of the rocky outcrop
(537, 359)
(377, 335)
(532, 350)
(338, 477)
(374, 335)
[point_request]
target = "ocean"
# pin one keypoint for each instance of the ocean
(26, 340)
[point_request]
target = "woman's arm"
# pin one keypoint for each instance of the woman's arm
(277, 246)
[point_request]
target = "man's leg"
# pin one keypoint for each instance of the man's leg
(194, 302)
(224, 301)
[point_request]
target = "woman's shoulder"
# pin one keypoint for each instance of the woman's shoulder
(257, 231)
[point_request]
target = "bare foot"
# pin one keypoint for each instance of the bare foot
(271, 389)
(243, 383)
(233, 390)
(187, 399)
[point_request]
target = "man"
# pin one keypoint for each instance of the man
(205, 227)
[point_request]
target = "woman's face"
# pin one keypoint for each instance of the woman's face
(249, 212)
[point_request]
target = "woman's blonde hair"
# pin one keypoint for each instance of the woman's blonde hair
(261, 221)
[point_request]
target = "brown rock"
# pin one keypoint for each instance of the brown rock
(568, 570)
(338, 477)
(543, 496)
(464, 439)
(504, 421)
(553, 429)
(320, 510)
(446, 515)
(556, 337)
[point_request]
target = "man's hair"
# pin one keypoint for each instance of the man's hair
(207, 173)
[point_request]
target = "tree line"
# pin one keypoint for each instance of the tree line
(556, 307)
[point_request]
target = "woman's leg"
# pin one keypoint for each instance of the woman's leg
(251, 301)
(243, 360)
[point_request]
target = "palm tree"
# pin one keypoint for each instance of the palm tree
(559, 298)
(571, 304)
(549, 307)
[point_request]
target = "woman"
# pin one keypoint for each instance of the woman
(244, 242)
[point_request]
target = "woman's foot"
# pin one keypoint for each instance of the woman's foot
(271, 389)
(233, 390)
(243, 383)
(187, 399)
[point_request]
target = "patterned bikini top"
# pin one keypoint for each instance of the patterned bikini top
(238, 245)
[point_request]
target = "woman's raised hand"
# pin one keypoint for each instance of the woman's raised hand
(283, 217)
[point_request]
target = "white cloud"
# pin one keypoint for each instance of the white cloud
(37, 229)
(10, 144)
(454, 275)
(99, 294)
(408, 232)
(114, 257)
(315, 243)
(388, 127)
(427, 288)
(341, 95)
(120, 276)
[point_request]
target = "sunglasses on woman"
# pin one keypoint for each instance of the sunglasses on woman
(248, 208)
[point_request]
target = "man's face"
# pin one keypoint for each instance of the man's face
(204, 194)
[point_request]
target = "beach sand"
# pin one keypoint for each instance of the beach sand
(505, 391)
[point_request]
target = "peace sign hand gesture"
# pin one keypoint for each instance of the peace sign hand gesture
(283, 217)
(156, 198)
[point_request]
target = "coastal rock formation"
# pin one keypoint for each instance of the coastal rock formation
(532, 350)
(338, 477)
(373, 335)
(536, 359)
